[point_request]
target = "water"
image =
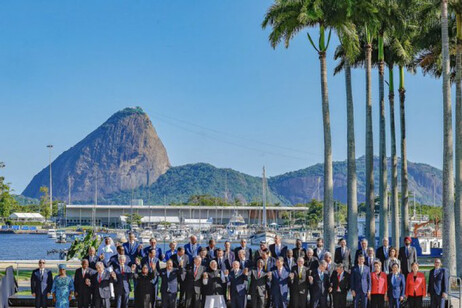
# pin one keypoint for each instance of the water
(28, 247)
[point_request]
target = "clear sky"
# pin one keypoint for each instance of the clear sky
(203, 71)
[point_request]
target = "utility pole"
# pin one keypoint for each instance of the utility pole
(69, 184)
(50, 147)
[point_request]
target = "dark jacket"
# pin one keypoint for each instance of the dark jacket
(41, 285)
(341, 286)
(438, 283)
(170, 282)
(344, 259)
(122, 282)
(80, 286)
(258, 285)
(101, 288)
(300, 284)
(282, 253)
(215, 283)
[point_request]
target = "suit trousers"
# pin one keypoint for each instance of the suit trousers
(41, 301)
(182, 294)
(239, 301)
(339, 299)
(318, 301)
(99, 302)
(298, 300)
(168, 300)
(257, 301)
(84, 300)
(377, 301)
(193, 300)
(360, 300)
(414, 301)
(437, 301)
(122, 299)
(394, 302)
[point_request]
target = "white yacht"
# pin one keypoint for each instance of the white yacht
(237, 226)
(51, 233)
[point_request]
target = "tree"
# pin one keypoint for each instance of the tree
(45, 202)
(134, 219)
(287, 18)
(7, 202)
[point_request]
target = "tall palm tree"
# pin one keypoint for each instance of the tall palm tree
(287, 18)
(449, 251)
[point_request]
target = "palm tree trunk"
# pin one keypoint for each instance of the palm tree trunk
(404, 177)
(382, 146)
(370, 204)
(329, 223)
(449, 251)
(394, 162)
(458, 165)
(352, 202)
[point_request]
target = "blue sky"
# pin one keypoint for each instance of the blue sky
(203, 71)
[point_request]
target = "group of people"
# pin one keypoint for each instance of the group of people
(272, 276)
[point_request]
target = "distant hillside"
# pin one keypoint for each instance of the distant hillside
(306, 184)
(179, 183)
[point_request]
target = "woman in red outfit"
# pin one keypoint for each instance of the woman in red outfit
(416, 287)
(378, 286)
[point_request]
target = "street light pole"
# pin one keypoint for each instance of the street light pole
(50, 147)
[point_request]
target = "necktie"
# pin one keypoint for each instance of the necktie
(343, 252)
(266, 264)
(259, 273)
(321, 276)
(300, 273)
(41, 274)
(99, 278)
(83, 273)
(195, 271)
(385, 251)
(339, 276)
(407, 252)
(361, 269)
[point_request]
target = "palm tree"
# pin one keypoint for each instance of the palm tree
(449, 253)
(287, 18)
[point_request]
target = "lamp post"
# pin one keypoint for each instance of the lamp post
(50, 147)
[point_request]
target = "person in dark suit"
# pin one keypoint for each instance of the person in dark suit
(289, 260)
(319, 250)
(151, 260)
(298, 284)
(93, 258)
(221, 261)
(181, 260)
(248, 250)
(192, 248)
(396, 287)
(310, 260)
(298, 250)
(169, 287)
(362, 250)
(370, 259)
(82, 282)
(229, 254)
(258, 285)
(144, 289)
(269, 263)
(213, 282)
(243, 261)
(257, 254)
(211, 249)
(114, 260)
(100, 286)
(237, 280)
(277, 249)
(330, 265)
(339, 286)
(152, 245)
(205, 257)
(132, 248)
(193, 283)
(279, 279)
(407, 255)
(41, 282)
(382, 252)
(169, 253)
(343, 255)
(438, 285)
(122, 288)
(360, 283)
(319, 286)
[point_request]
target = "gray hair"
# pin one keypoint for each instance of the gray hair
(364, 240)
(310, 250)
(323, 263)
(340, 265)
(281, 259)
(99, 264)
(300, 259)
(197, 258)
(327, 254)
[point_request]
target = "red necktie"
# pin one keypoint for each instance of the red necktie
(338, 286)
(259, 271)
(195, 271)
(99, 278)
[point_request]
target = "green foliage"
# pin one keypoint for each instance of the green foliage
(44, 204)
(79, 248)
(134, 218)
(8, 203)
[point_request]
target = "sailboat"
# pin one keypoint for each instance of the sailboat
(263, 233)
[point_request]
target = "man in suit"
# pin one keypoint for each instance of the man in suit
(407, 255)
(93, 258)
(382, 252)
(229, 254)
(360, 283)
(193, 283)
(192, 248)
(289, 260)
(299, 251)
(41, 282)
(298, 284)
(221, 261)
(396, 287)
(242, 259)
(277, 249)
(152, 245)
(132, 248)
(269, 263)
(362, 250)
(248, 250)
(438, 285)
(151, 260)
(82, 282)
(330, 266)
(122, 288)
(310, 260)
(213, 282)
(319, 286)
(319, 251)
(100, 285)
(169, 287)
(339, 286)
(279, 278)
(370, 258)
(205, 257)
(211, 249)
(258, 285)
(343, 255)
(181, 260)
(237, 280)
(257, 254)
(114, 260)
(170, 252)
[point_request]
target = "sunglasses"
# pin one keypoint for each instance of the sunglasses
(41, 262)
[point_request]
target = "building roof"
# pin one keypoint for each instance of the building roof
(26, 216)
(155, 219)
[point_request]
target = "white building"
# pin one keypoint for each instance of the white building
(27, 217)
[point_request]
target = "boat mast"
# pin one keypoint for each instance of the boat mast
(264, 197)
